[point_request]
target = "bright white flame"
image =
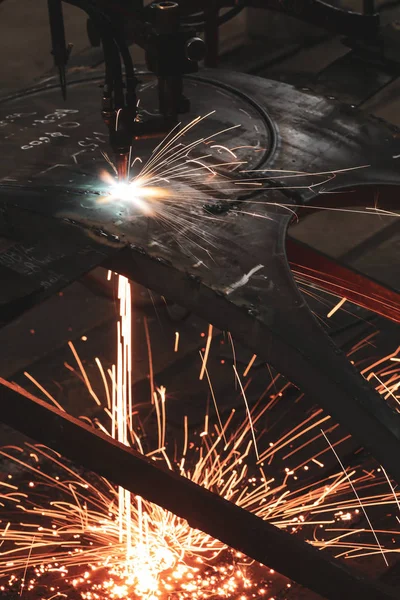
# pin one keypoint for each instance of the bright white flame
(131, 193)
(136, 192)
(124, 191)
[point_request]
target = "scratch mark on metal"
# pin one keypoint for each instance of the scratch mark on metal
(243, 280)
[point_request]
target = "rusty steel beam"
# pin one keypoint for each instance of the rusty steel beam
(343, 281)
(202, 509)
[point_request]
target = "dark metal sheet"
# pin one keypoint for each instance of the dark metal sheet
(238, 277)
(354, 79)
(39, 267)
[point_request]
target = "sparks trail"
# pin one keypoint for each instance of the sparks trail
(64, 530)
(179, 178)
(384, 374)
(175, 183)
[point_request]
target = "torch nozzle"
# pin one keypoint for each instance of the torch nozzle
(122, 164)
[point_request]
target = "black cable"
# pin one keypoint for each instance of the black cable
(113, 75)
(131, 80)
(114, 47)
(113, 72)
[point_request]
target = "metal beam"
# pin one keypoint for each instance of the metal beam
(342, 280)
